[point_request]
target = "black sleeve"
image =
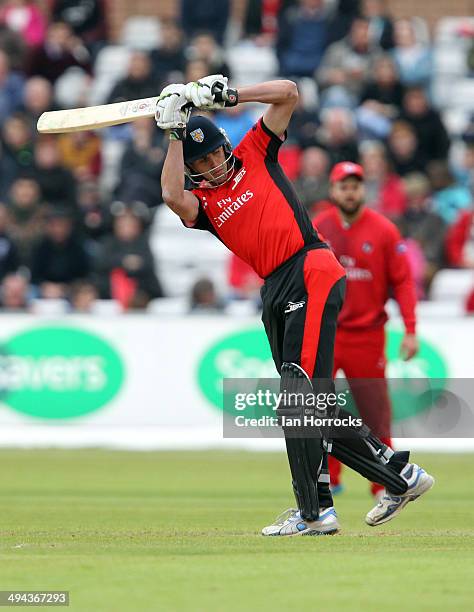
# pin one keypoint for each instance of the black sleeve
(273, 146)
(202, 221)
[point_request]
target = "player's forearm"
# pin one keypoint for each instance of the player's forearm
(172, 178)
(270, 92)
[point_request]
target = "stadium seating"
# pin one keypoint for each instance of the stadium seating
(141, 32)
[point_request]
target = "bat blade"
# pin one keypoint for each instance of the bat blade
(95, 117)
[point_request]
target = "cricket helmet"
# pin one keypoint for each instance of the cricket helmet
(203, 137)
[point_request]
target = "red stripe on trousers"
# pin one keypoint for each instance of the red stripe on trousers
(321, 272)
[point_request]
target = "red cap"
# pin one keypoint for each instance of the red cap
(344, 169)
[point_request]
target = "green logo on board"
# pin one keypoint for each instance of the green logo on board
(246, 354)
(58, 372)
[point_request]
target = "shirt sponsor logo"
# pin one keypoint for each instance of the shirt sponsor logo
(347, 261)
(353, 273)
(238, 177)
(291, 306)
(231, 207)
(359, 274)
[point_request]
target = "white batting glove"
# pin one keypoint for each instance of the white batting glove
(202, 93)
(171, 112)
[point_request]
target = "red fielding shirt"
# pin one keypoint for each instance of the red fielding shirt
(256, 214)
(374, 256)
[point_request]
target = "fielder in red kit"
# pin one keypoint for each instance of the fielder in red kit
(243, 197)
(371, 250)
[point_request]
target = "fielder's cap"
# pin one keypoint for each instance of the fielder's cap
(202, 137)
(345, 169)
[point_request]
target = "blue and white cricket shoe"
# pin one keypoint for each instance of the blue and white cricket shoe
(290, 523)
(390, 506)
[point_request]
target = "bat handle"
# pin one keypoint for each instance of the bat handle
(229, 96)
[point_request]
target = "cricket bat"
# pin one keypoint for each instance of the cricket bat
(105, 115)
(94, 117)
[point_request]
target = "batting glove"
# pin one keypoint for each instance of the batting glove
(173, 111)
(211, 93)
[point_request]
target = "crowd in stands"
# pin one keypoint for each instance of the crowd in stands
(366, 95)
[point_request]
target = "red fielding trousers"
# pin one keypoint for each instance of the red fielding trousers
(360, 354)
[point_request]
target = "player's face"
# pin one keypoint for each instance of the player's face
(212, 167)
(348, 194)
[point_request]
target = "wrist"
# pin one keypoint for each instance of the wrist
(176, 134)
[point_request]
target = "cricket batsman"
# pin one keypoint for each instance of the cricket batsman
(243, 197)
(371, 250)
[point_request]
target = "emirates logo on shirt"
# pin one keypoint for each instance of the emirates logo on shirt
(232, 207)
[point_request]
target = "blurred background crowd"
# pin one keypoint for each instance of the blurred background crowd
(82, 226)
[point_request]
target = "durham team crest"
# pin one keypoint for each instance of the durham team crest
(197, 135)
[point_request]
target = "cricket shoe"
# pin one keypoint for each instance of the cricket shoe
(290, 523)
(390, 506)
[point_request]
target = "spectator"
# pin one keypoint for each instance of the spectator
(204, 298)
(140, 168)
(86, 18)
(384, 88)
(404, 150)
(60, 258)
(413, 57)
(460, 241)
(243, 281)
(9, 259)
(337, 135)
(433, 139)
(205, 15)
(380, 23)
(17, 149)
(342, 19)
(125, 268)
(57, 183)
(421, 224)
(37, 99)
(205, 48)
(11, 88)
(27, 19)
(261, 19)
(14, 292)
(384, 189)
(304, 122)
(82, 296)
(236, 121)
(60, 51)
(94, 214)
(27, 217)
(464, 171)
(81, 154)
(14, 46)
(312, 184)
(302, 38)
(346, 67)
(195, 70)
(449, 198)
(381, 100)
(139, 81)
(169, 57)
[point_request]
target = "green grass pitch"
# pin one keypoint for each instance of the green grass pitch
(179, 531)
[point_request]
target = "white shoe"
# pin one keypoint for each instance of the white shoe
(290, 523)
(390, 506)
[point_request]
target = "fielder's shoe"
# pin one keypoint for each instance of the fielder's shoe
(390, 506)
(290, 523)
